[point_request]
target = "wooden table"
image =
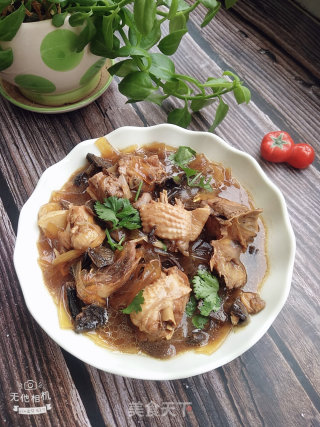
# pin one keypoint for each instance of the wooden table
(274, 46)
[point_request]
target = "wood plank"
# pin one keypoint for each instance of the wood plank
(264, 385)
(102, 397)
(137, 398)
(285, 91)
(232, 395)
(29, 354)
(35, 141)
(286, 25)
(304, 298)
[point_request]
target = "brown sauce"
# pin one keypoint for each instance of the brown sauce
(119, 333)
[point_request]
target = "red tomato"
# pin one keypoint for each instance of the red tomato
(276, 146)
(301, 156)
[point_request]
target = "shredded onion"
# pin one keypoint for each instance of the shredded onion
(67, 256)
(130, 149)
(106, 149)
(125, 187)
(63, 314)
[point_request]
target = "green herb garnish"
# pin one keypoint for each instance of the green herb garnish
(138, 192)
(135, 305)
(182, 158)
(164, 246)
(114, 245)
(191, 306)
(122, 215)
(205, 288)
(183, 155)
(199, 321)
(118, 211)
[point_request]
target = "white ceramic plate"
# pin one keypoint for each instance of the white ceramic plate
(281, 249)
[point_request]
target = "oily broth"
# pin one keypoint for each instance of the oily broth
(119, 333)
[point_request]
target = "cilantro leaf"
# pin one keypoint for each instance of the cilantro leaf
(189, 172)
(199, 321)
(114, 203)
(106, 213)
(183, 155)
(198, 179)
(120, 212)
(211, 303)
(114, 245)
(138, 191)
(129, 216)
(205, 184)
(206, 287)
(182, 158)
(135, 305)
(191, 306)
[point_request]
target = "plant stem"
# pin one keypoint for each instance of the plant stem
(99, 8)
(161, 13)
(124, 37)
(196, 4)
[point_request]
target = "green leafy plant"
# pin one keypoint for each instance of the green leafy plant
(191, 306)
(182, 158)
(114, 245)
(121, 214)
(205, 298)
(205, 288)
(118, 211)
(127, 30)
(135, 305)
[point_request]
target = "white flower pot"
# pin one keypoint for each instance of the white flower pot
(46, 68)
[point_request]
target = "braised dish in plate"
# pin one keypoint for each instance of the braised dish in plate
(155, 249)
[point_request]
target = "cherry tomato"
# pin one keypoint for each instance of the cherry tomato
(276, 146)
(301, 156)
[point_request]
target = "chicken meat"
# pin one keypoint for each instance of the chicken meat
(226, 261)
(81, 232)
(253, 302)
(137, 168)
(233, 220)
(103, 185)
(97, 284)
(164, 304)
(173, 222)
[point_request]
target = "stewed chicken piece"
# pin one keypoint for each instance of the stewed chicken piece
(226, 261)
(74, 227)
(137, 169)
(173, 222)
(81, 232)
(234, 220)
(235, 226)
(164, 304)
(253, 302)
(103, 185)
(95, 285)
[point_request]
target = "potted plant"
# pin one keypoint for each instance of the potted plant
(53, 50)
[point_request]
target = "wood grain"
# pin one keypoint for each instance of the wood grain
(27, 353)
(281, 87)
(285, 25)
(276, 382)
